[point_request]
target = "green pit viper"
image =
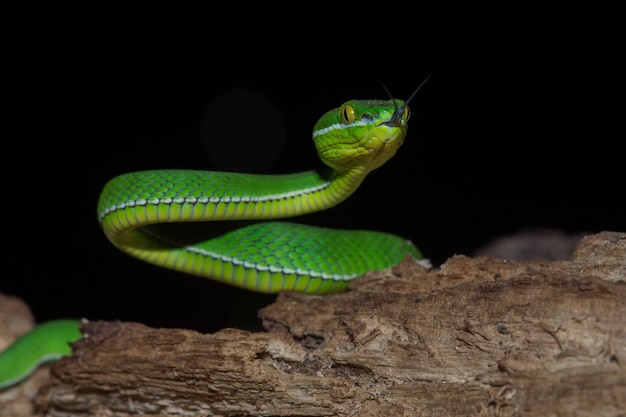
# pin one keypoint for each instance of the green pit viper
(145, 214)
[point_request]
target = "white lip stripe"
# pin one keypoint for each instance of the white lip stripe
(339, 126)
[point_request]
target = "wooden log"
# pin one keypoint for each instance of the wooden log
(476, 336)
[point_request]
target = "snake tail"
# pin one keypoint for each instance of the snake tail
(46, 342)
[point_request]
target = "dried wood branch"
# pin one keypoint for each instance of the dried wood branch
(477, 336)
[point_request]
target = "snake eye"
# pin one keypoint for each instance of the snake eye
(346, 114)
(406, 114)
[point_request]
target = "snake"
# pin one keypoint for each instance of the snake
(156, 216)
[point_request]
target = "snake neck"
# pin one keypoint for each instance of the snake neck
(334, 187)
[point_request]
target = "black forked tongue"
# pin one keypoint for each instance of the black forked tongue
(395, 118)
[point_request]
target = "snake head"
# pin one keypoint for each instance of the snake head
(361, 134)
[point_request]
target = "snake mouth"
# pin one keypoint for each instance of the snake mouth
(383, 144)
(396, 130)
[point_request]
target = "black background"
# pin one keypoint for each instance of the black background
(520, 126)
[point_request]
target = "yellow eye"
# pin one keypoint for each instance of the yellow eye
(346, 114)
(406, 114)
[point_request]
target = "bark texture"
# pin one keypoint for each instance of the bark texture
(477, 336)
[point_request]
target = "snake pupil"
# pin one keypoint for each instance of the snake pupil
(346, 114)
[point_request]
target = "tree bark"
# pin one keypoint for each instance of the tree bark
(476, 336)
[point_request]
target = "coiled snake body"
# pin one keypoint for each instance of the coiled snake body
(154, 215)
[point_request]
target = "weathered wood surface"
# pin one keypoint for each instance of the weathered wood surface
(476, 336)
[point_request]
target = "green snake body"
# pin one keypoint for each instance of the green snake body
(265, 257)
(158, 216)
(142, 212)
